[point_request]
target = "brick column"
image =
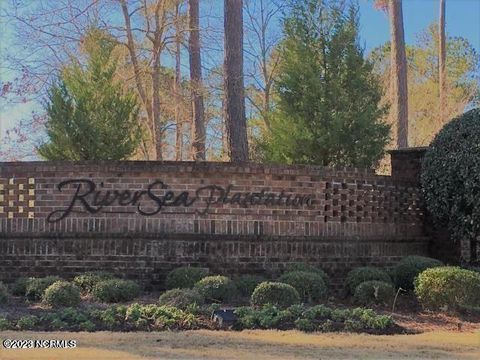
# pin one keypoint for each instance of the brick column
(407, 163)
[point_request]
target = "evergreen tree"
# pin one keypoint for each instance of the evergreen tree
(90, 116)
(328, 109)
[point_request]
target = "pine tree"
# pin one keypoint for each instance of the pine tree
(328, 110)
(90, 116)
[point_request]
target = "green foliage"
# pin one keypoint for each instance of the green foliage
(116, 290)
(308, 268)
(89, 115)
(88, 280)
(184, 277)
(216, 288)
(409, 267)
(181, 298)
(37, 286)
(4, 324)
(158, 317)
(451, 176)
(27, 322)
(274, 293)
(328, 110)
(374, 292)
(310, 286)
(19, 287)
(3, 293)
(245, 284)
(62, 293)
(448, 287)
(426, 117)
(317, 318)
(359, 275)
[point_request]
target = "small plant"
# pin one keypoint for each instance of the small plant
(374, 292)
(3, 293)
(308, 268)
(448, 288)
(247, 283)
(216, 288)
(116, 290)
(181, 298)
(27, 322)
(359, 275)
(19, 287)
(62, 293)
(37, 286)
(88, 280)
(309, 285)
(275, 293)
(408, 268)
(4, 324)
(184, 277)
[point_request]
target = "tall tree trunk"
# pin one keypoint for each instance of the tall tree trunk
(399, 72)
(198, 143)
(156, 80)
(235, 120)
(177, 88)
(137, 74)
(442, 76)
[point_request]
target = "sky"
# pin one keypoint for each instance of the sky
(462, 19)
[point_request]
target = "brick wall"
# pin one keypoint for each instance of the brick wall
(141, 219)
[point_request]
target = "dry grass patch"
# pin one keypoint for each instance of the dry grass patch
(204, 344)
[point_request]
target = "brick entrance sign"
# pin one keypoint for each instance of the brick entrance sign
(141, 219)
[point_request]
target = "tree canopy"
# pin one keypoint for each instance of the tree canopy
(89, 114)
(328, 110)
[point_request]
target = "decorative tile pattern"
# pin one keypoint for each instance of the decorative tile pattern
(17, 198)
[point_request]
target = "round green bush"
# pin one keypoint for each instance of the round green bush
(3, 293)
(409, 267)
(299, 266)
(447, 287)
(374, 292)
(245, 284)
(184, 277)
(450, 176)
(37, 286)
(62, 293)
(310, 286)
(359, 275)
(88, 280)
(216, 288)
(275, 293)
(19, 287)
(115, 290)
(181, 298)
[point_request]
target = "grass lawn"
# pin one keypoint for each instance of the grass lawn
(258, 344)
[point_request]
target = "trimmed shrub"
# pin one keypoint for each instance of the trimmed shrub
(181, 298)
(409, 267)
(19, 287)
(184, 277)
(374, 292)
(359, 275)
(308, 268)
(62, 293)
(37, 286)
(310, 286)
(245, 284)
(216, 288)
(3, 293)
(88, 280)
(451, 176)
(274, 293)
(448, 287)
(116, 290)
